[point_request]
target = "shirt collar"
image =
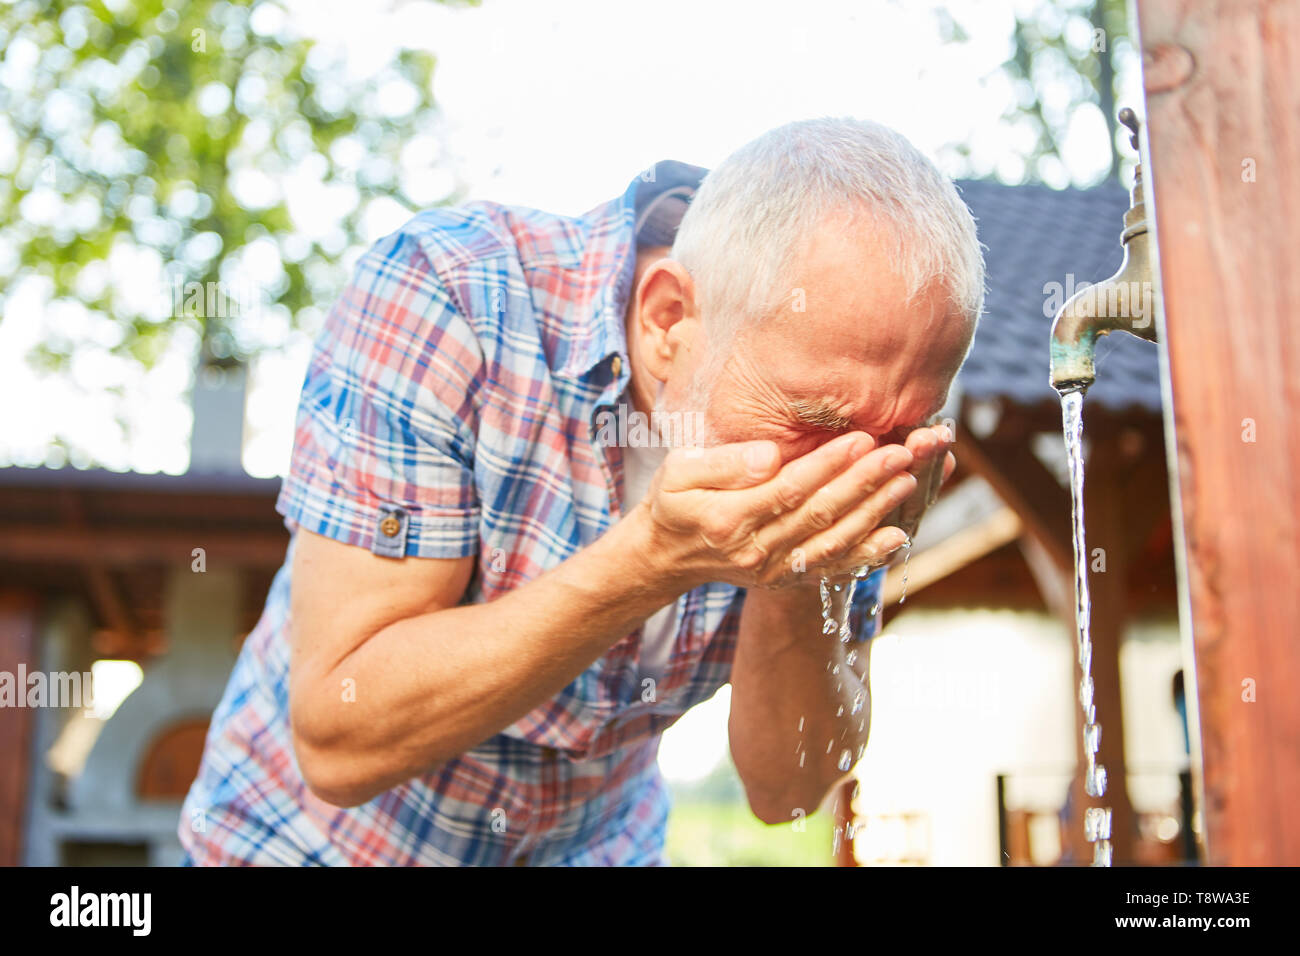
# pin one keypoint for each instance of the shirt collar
(646, 214)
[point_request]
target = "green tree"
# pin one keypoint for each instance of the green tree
(1062, 55)
(176, 128)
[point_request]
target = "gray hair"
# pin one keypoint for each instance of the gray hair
(752, 213)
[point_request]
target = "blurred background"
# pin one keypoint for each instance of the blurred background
(185, 185)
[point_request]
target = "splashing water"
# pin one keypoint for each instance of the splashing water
(830, 592)
(907, 556)
(1096, 823)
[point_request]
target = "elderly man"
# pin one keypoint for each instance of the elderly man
(490, 611)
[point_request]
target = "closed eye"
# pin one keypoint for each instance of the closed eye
(821, 416)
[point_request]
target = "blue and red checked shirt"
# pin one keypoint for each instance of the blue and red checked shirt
(450, 409)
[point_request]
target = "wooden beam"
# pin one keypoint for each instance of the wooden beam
(123, 546)
(1020, 480)
(952, 554)
(1223, 164)
(1054, 582)
(108, 602)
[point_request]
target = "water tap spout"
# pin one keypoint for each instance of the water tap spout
(1122, 302)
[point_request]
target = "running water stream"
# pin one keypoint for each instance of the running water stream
(1096, 821)
(834, 623)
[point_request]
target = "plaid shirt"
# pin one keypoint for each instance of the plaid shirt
(450, 409)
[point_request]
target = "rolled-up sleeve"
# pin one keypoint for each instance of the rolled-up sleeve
(384, 439)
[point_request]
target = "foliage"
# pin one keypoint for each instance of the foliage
(1063, 54)
(168, 136)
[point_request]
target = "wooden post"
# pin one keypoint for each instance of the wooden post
(1223, 165)
(18, 619)
(844, 818)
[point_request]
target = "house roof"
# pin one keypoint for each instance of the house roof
(1034, 236)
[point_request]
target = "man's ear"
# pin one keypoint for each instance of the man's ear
(667, 314)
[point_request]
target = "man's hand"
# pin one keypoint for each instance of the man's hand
(932, 464)
(733, 513)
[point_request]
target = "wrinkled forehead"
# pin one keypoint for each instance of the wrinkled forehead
(877, 361)
(861, 327)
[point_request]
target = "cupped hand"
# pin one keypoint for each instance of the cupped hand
(734, 513)
(932, 465)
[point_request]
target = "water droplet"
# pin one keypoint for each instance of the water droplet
(1101, 853)
(828, 622)
(835, 669)
(859, 700)
(835, 842)
(907, 556)
(840, 712)
(800, 725)
(850, 831)
(875, 609)
(851, 658)
(862, 748)
(1095, 784)
(857, 788)
(838, 588)
(801, 756)
(846, 761)
(1092, 823)
(1092, 737)
(829, 745)
(846, 630)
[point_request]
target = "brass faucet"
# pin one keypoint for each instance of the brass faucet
(1123, 302)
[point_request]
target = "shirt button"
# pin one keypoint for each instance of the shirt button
(390, 526)
(617, 365)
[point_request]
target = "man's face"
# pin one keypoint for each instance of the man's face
(859, 357)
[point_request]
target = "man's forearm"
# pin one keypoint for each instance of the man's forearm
(787, 674)
(430, 687)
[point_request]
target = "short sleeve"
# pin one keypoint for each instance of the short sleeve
(384, 438)
(864, 617)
